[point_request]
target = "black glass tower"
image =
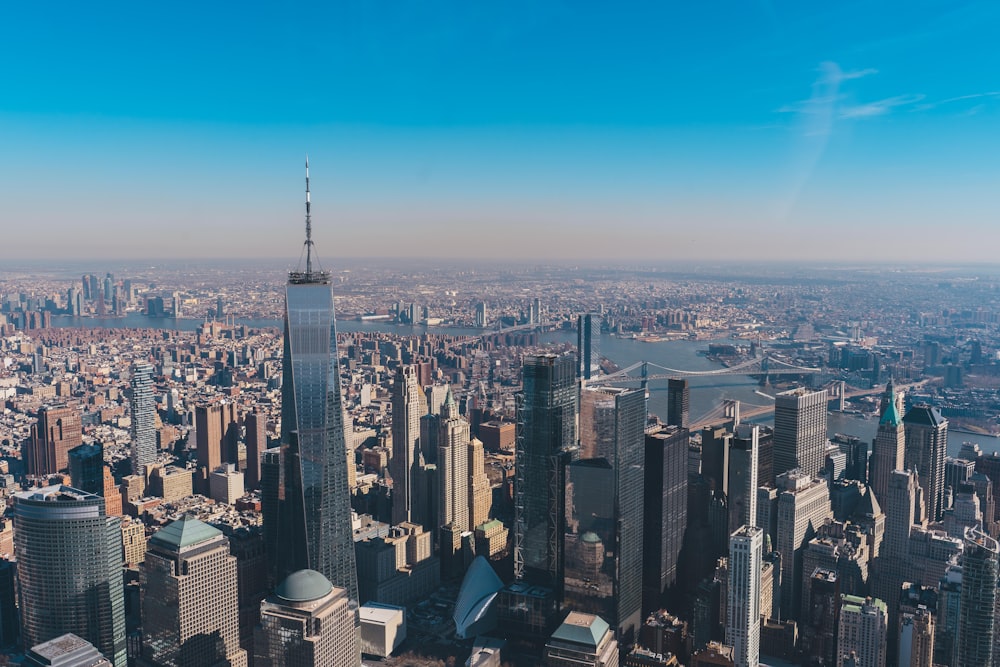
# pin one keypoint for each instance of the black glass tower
(314, 513)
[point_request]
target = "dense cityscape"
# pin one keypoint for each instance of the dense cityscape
(479, 464)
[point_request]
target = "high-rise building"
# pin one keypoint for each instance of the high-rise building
(863, 627)
(743, 616)
(58, 430)
(604, 519)
(190, 613)
(86, 468)
(480, 492)
(678, 402)
(978, 606)
(893, 566)
(803, 504)
(216, 433)
(69, 566)
(588, 337)
(256, 441)
(306, 623)
(546, 439)
(800, 431)
(143, 412)
(916, 639)
(67, 650)
(408, 406)
(926, 433)
(453, 476)
(314, 514)
(742, 491)
(665, 512)
(888, 447)
(583, 640)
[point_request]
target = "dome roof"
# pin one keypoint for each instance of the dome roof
(304, 586)
(590, 537)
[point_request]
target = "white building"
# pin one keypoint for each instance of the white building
(743, 617)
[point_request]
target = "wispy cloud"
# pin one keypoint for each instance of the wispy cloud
(960, 98)
(877, 108)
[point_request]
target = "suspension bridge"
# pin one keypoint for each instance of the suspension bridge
(768, 364)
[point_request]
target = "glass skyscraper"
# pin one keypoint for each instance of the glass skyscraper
(314, 514)
(546, 441)
(143, 408)
(69, 567)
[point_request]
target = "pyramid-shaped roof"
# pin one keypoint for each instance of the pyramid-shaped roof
(184, 533)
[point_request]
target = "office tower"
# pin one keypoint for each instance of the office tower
(546, 438)
(964, 512)
(480, 491)
(226, 484)
(453, 476)
(143, 412)
(272, 499)
(408, 406)
(216, 429)
(818, 625)
(306, 623)
(10, 625)
(803, 505)
(583, 640)
(862, 633)
(916, 639)
(977, 609)
(256, 442)
(57, 431)
(888, 447)
(588, 338)
(948, 616)
(69, 560)
(742, 491)
(482, 315)
(893, 566)
(86, 468)
(743, 617)
(678, 402)
(190, 613)
(67, 650)
(604, 517)
(926, 433)
(314, 527)
(665, 487)
(800, 431)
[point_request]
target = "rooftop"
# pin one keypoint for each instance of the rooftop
(185, 532)
(304, 586)
(579, 628)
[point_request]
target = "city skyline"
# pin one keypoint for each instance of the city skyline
(599, 134)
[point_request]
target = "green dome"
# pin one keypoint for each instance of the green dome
(590, 537)
(304, 586)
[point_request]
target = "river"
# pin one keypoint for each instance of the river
(706, 392)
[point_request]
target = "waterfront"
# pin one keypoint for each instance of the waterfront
(707, 392)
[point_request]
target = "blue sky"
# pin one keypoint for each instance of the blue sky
(663, 130)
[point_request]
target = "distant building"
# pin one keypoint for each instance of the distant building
(57, 431)
(226, 484)
(800, 431)
(803, 504)
(86, 468)
(678, 402)
(216, 429)
(743, 624)
(408, 406)
(143, 413)
(926, 446)
(306, 623)
(665, 511)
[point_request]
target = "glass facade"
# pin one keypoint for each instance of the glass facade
(314, 524)
(143, 413)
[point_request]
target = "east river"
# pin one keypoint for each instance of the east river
(707, 392)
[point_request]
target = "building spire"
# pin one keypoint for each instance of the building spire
(309, 241)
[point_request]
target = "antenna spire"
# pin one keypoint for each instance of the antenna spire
(309, 231)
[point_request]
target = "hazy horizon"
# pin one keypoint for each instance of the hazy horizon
(543, 132)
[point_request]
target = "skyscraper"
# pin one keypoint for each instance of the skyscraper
(69, 566)
(888, 447)
(977, 609)
(314, 519)
(926, 433)
(480, 492)
(588, 337)
(453, 475)
(408, 406)
(916, 638)
(604, 520)
(58, 430)
(190, 612)
(743, 617)
(216, 427)
(306, 623)
(742, 491)
(803, 505)
(665, 515)
(256, 441)
(143, 412)
(862, 632)
(86, 468)
(546, 439)
(800, 431)
(678, 402)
